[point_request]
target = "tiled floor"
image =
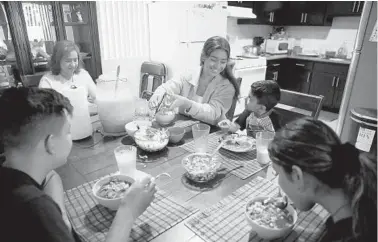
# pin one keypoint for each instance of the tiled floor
(329, 118)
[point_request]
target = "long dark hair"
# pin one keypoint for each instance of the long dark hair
(220, 43)
(61, 49)
(315, 147)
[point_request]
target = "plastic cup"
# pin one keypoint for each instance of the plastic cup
(200, 136)
(263, 140)
(126, 159)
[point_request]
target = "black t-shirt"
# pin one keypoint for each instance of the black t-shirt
(342, 231)
(27, 213)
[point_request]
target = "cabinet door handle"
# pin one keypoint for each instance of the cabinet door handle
(301, 17)
(297, 64)
(272, 17)
(333, 81)
(308, 77)
(276, 64)
(358, 8)
(354, 6)
(305, 18)
(337, 82)
(276, 75)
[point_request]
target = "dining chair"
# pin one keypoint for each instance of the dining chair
(294, 105)
(153, 74)
(231, 111)
(32, 80)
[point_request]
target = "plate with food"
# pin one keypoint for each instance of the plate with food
(238, 143)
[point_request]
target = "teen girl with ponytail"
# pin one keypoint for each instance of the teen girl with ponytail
(315, 167)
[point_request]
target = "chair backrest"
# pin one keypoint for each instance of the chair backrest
(299, 105)
(153, 74)
(32, 80)
(231, 111)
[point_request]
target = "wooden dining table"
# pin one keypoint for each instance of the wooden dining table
(93, 158)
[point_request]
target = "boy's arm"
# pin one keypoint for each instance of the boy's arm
(242, 119)
(54, 188)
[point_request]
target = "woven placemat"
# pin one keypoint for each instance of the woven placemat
(185, 123)
(231, 159)
(92, 221)
(226, 221)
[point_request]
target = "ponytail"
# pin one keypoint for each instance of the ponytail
(362, 189)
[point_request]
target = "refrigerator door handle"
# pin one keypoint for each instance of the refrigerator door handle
(333, 81)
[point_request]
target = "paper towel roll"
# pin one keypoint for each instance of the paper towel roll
(81, 125)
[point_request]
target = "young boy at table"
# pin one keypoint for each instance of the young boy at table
(258, 114)
(35, 133)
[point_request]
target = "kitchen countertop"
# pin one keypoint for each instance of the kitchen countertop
(308, 58)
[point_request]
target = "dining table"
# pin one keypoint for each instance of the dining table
(213, 212)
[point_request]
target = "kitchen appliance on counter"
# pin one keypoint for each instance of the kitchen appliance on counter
(276, 46)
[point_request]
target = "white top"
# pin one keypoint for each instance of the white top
(59, 83)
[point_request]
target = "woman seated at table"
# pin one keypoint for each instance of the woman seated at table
(66, 70)
(207, 92)
(315, 167)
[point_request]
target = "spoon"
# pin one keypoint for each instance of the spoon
(282, 201)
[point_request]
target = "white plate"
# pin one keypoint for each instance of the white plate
(236, 138)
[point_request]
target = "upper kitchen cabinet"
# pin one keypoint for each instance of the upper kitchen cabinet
(271, 13)
(306, 13)
(244, 4)
(344, 8)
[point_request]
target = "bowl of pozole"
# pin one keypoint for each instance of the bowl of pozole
(109, 190)
(201, 167)
(269, 221)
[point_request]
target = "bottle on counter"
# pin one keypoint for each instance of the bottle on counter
(342, 52)
(297, 46)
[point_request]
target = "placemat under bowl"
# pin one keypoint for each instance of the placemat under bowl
(231, 159)
(92, 221)
(226, 222)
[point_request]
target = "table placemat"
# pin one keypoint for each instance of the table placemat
(92, 221)
(185, 123)
(231, 159)
(226, 220)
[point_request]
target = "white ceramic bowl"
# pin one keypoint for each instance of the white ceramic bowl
(112, 204)
(266, 232)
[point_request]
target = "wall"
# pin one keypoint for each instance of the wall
(324, 38)
(364, 89)
(124, 38)
(242, 34)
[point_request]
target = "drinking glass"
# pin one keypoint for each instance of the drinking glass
(126, 156)
(142, 112)
(200, 136)
(263, 140)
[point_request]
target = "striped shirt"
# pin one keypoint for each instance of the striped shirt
(257, 124)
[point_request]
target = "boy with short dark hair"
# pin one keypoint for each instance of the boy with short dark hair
(258, 116)
(35, 134)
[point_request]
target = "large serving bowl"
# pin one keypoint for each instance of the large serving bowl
(151, 139)
(268, 232)
(100, 188)
(165, 117)
(201, 167)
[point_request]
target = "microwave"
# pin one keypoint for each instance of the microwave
(276, 46)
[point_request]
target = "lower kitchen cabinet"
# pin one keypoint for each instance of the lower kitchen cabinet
(324, 84)
(339, 91)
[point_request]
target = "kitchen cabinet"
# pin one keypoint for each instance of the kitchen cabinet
(271, 13)
(344, 8)
(323, 84)
(244, 4)
(306, 13)
(329, 80)
(273, 70)
(297, 75)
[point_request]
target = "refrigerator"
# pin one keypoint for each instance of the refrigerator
(361, 84)
(178, 31)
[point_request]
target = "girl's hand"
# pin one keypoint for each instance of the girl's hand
(234, 127)
(180, 102)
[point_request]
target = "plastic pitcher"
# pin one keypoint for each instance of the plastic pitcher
(115, 102)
